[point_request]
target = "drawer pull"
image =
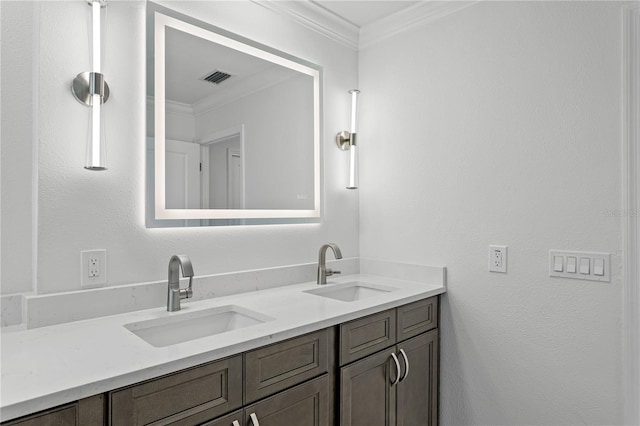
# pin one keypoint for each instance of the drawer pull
(235, 423)
(254, 419)
(406, 364)
(395, 359)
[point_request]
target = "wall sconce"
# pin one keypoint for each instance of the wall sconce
(90, 89)
(346, 141)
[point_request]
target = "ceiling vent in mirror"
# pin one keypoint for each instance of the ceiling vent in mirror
(216, 77)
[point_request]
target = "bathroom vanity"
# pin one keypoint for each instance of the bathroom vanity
(360, 350)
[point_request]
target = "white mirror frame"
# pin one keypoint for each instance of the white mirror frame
(161, 22)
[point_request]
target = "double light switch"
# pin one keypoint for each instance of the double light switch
(580, 265)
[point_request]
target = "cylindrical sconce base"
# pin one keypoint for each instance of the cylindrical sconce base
(84, 87)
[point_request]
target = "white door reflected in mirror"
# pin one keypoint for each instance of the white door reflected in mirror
(223, 170)
(183, 175)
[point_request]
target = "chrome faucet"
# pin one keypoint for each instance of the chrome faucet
(174, 292)
(323, 271)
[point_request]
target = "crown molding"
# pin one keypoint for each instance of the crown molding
(336, 28)
(172, 107)
(178, 108)
(419, 14)
(317, 19)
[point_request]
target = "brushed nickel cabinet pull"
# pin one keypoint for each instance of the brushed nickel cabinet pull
(395, 359)
(406, 363)
(254, 419)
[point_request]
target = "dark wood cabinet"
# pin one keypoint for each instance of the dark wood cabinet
(379, 370)
(397, 385)
(278, 376)
(366, 395)
(417, 318)
(303, 405)
(364, 336)
(276, 367)
(234, 419)
(417, 392)
(189, 397)
(86, 412)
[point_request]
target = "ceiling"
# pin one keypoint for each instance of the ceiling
(191, 58)
(363, 12)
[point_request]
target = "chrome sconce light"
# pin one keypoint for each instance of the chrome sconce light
(90, 89)
(346, 141)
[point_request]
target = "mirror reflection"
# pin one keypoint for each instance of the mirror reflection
(235, 126)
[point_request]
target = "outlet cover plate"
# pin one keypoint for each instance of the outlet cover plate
(498, 259)
(87, 279)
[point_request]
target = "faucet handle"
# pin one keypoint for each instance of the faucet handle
(187, 293)
(330, 272)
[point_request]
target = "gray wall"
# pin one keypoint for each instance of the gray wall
(18, 146)
(501, 124)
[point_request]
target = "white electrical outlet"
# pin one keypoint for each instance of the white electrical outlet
(498, 259)
(93, 268)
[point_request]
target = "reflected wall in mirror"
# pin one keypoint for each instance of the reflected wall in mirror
(233, 131)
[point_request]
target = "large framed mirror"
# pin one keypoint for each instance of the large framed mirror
(233, 128)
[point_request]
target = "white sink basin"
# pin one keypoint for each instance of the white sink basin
(182, 327)
(352, 291)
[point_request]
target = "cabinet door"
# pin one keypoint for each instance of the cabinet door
(417, 392)
(367, 397)
(303, 405)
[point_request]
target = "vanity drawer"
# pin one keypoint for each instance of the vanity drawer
(86, 412)
(364, 336)
(279, 366)
(63, 416)
(418, 317)
(188, 397)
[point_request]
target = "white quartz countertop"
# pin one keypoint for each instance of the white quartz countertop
(48, 366)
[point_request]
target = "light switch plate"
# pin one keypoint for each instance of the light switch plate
(572, 269)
